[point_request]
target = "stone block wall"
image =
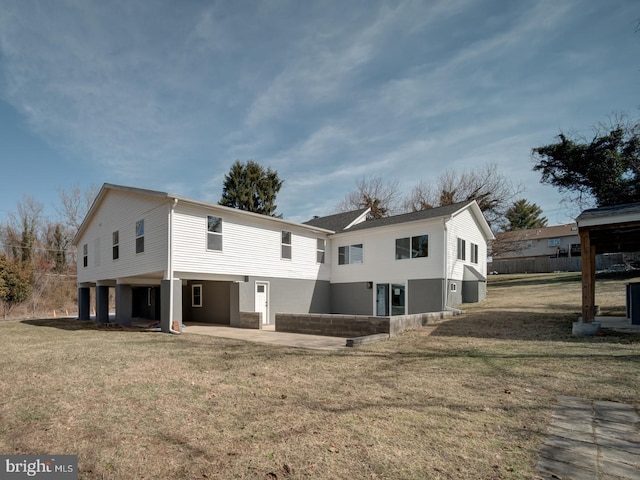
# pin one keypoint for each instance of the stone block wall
(331, 325)
(250, 320)
(354, 325)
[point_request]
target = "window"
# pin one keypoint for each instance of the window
(554, 242)
(140, 236)
(286, 245)
(196, 295)
(402, 248)
(412, 247)
(214, 233)
(116, 244)
(474, 253)
(462, 249)
(420, 246)
(350, 254)
(453, 287)
(85, 255)
(321, 247)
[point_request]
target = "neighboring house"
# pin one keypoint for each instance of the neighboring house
(557, 241)
(174, 259)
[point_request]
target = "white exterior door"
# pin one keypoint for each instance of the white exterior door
(262, 301)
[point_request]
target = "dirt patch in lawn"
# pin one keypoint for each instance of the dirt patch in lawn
(468, 398)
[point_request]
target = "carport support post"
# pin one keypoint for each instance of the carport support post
(124, 303)
(102, 304)
(588, 277)
(168, 322)
(84, 303)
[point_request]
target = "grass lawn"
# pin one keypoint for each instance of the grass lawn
(468, 398)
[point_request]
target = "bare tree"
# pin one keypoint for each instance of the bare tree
(493, 191)
(20, 235)
(422, 197)
(75, 204)
(375, 193)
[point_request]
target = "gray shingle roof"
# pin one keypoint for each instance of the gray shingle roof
(412, 217)
(627, 208)
(336, 222)
(339, 221)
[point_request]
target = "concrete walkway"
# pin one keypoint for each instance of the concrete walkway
(314, 342)
(590, 439)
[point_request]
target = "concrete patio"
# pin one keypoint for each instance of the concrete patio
(268, 335)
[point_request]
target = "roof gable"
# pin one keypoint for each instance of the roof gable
(340, 221)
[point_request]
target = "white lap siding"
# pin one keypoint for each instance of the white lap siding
(251, 246)
(379, 254)
(463, 225)
(119, 211)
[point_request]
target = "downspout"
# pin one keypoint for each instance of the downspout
(170, 263)
(445, 289)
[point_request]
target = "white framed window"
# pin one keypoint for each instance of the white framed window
(320, 249)
(412, 247)
(214, 233)
(350, 254)
(553, 242)
(286, 245)
(453, 287)
(196, 295)
(140, 236)
(85, 255)
(462, 249)
(115, 249)
(474, 253)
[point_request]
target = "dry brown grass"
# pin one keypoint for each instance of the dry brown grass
(468, 398)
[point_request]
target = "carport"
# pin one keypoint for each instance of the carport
(603, 230)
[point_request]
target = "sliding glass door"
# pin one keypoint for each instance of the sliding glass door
(390, 298)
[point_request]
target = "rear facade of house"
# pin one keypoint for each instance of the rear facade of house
(172, 259)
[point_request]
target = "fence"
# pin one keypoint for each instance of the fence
(562, 264)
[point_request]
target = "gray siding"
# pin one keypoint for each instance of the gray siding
(425, 295)
(351, 298)
(287, 295)
(215, 303)
(473, 291)
(454, 298)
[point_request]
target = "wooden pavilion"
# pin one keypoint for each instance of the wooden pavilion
(604, 230)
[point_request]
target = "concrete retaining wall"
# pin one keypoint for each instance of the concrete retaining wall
(249, 320)
(354, 325)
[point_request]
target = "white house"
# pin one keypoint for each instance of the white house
(175, 259)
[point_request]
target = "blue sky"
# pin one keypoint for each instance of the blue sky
(167, 95)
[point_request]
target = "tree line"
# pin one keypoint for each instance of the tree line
(35, 250)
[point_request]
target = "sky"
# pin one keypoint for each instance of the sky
(166, 95)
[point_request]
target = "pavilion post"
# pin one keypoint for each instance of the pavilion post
(588, 277)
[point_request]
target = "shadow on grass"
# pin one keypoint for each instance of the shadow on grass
(524, 326)
(70, 324)
(513, 280)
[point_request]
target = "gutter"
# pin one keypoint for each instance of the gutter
(170, 265)
(445, 289)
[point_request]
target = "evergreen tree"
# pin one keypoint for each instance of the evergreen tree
(523, 215)
(252, 188)
(15, 285)
(605, 169)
